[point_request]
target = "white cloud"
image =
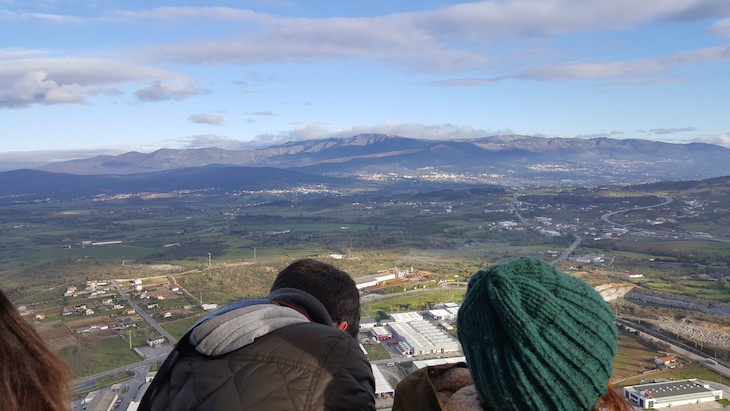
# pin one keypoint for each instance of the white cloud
(14, 53)
(664, 131)
(720, 140)
(453, 38)
(178, 89)
(205, 118)
(311, 131)
(53, 18)
(627, 70)
(464, 82)
(192, 13)
(82, 70)
(210, 140)
(35, 87)
(486, 42)
(721, 28)
(519, 18)
(28, 81)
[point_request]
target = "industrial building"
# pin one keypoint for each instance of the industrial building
(671, 394)
(372, 280)
(367, 323)
(405, 349)
(381, 333)
(444, 314)
(424, 337)
(406, 317)
(383, 389)
(105, 402)
(417, 365)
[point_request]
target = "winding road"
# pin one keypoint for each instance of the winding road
(606, 217)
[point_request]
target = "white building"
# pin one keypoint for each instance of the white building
(367, 323)
(444, 314)
(549, 233)
(417, 365)
(406, 317)
(372, 280)
(155, 342)
(506, 224)
(425, 337)
(589, 259)
(381, 333)
(671, 394)
(383, 388)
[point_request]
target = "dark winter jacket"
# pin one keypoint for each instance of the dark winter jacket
(278, 353)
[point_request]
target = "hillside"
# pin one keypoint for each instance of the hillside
(39, 184)
(502, 160)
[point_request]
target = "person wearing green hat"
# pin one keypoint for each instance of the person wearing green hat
(534, 338)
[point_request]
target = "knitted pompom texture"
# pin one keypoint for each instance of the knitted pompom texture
(536, 338)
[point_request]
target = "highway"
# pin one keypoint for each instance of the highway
(517, 213)
(572, 246)
(569, 250)
(681, 351)
(606, 217)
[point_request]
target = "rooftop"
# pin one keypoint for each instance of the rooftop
(381, 383)
(672, 388)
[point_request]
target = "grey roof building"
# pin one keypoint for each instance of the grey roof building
(671, 394)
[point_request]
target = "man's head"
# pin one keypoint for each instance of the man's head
(332, 287)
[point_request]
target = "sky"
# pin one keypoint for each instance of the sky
(80, 77)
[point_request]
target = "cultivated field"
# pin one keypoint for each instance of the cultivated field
(218, 249)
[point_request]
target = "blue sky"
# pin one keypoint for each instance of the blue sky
(112, 76)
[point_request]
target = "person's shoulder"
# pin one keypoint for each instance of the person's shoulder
(306, 337)
(306, 332)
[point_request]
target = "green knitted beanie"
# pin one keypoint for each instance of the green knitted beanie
(536, 338)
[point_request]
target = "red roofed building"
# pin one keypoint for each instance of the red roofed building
(666, 361)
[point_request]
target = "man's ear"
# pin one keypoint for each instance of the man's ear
(342, 325)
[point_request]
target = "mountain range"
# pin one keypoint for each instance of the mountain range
(503, 160)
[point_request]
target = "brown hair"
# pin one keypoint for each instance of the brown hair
(612, 401)
(334, 288)
(32, 377)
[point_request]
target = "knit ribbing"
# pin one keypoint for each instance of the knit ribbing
(536, 338)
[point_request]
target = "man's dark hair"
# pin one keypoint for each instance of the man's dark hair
(332, 287)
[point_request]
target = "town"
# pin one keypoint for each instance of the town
(137, 272)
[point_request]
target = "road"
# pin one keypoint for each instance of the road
(569, 250)
(133, 384)
(517, 213)
(606, 217)
(154, 324)
(682, 352)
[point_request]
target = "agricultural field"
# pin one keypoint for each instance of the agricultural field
(219, 249)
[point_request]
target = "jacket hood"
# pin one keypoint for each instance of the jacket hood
(239, 324)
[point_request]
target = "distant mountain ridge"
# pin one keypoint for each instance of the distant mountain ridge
(578, 159)
(379, 161)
